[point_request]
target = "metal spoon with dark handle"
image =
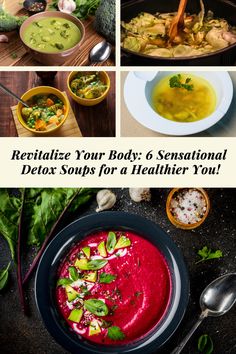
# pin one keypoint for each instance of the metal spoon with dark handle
(100, 52)
(216, 299)
(13, 94)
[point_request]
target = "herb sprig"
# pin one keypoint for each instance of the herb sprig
(175, 82)
(115, 333)
(206, 254)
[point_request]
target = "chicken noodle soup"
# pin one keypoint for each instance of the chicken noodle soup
(190, 98)
(52, 35)
(45, 112)
(88, 86)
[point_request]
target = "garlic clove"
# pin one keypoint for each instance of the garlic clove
(106, 199)
(140, 194)
(3, 38)
(67, 6)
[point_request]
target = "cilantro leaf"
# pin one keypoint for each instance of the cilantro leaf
(106, 278)
(206, 253)
(73, 273)
(175, 82)
(115, 333)
(205, 344)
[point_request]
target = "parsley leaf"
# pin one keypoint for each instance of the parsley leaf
(115, 333)
(64, 281)
(73, 273)
(97, 307)
(175, 82)
(106, 278)
(206, 253)
(205, 344)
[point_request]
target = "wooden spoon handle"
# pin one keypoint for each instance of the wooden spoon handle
(181, 10)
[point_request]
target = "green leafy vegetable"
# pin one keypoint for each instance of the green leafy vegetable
(205, 344)
(64, 281)
(175, 82)
(97, 307)
(73, 273)
(84, 8)
(106, 278)
(4, 276)
(10, 209)
(96, 264)
(115, 333)
(105, 19)
(111, 242)
(206, 253)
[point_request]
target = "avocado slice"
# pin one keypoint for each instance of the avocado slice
(87, 251)
(123, 242)
(91, 276)
(102, 249)
(81, 263)
(71, 293)
(76, 315)
(94, 328)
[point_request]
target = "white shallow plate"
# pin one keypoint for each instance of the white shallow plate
(137, 95)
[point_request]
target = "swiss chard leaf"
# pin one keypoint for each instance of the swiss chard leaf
(97, 307)
(10, 209)
(205, 344)
(43, 208)
(4, 276)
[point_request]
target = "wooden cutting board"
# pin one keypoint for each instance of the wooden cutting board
(69, 129)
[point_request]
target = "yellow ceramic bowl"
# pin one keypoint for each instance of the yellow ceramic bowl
(42, 90)
(85, 101)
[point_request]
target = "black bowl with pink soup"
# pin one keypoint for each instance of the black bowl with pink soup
(112, 283)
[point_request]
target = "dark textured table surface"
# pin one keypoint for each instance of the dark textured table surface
(21, 335)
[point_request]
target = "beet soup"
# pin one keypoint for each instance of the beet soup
(113, 287)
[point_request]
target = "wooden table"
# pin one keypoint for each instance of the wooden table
(97, 121)
(14, 54)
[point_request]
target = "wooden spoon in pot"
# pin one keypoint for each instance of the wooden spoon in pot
(178, 20)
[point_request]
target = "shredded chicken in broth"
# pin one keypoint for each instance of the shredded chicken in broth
(202, 34)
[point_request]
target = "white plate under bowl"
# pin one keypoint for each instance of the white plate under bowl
(137, 95)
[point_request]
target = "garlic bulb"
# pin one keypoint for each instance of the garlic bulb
(67, 6)
(3, 38)
(105, 199)
(140, 194)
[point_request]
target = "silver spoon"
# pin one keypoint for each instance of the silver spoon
(100, 52)
(14, 95)
(216, 299)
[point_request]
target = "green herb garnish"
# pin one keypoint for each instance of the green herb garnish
(73, 273)
(106, 278)
(4, 276)
(175, 82)
(206, 253)
(97, 307)
(111, 242)
(138, 293)
(205, 344)
(115, 333)
(96, 264)
(64, 281)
